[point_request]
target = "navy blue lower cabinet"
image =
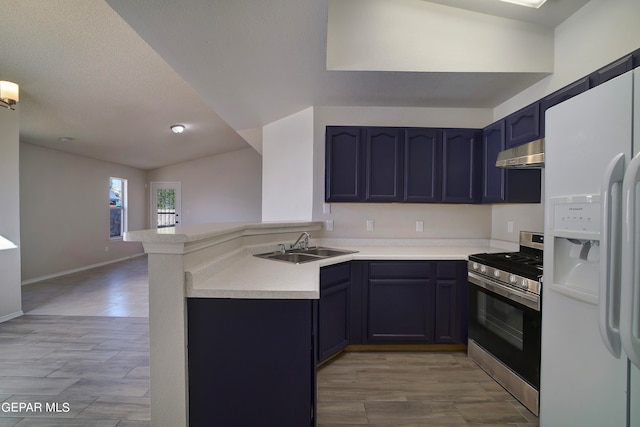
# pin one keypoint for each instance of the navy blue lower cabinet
(334, 310)
(451, 303)
(251, 362)
(400, 302)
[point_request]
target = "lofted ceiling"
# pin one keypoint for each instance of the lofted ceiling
(115, 82)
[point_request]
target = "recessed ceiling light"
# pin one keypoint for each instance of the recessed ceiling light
(529, 3)
(177, 128)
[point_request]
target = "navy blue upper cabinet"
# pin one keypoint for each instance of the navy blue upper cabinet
(384, 164)
(523, 125)
(493, 182)
(462, 169)
(344, 174)
(423, 165)
(506, 185)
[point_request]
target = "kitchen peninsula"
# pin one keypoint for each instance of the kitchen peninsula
(204, 281)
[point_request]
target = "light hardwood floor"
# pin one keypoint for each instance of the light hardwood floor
(413, 389)
(84, 342)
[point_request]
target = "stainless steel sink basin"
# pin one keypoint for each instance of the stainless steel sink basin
(289, 257)
(300, 256)
(323, 252)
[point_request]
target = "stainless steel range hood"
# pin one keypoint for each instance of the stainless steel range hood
(530, 156)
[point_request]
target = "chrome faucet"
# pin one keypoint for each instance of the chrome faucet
(304, 244)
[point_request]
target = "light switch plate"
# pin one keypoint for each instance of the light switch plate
(370, 225)
(420, 226)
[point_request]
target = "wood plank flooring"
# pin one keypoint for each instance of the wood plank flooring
(74, 371)
(83, 345)
(412, 389)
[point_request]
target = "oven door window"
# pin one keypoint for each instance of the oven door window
(508, 330)
(504, 320)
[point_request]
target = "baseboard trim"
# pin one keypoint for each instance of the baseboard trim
(392, 347)
(77, 270)
(406, 347)
(11, 316)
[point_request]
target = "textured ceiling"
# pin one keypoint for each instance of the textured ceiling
(85, 73)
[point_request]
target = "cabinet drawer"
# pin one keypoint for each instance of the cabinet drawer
(400, 270)
(334, 274)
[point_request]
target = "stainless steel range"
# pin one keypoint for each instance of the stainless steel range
(504, 317)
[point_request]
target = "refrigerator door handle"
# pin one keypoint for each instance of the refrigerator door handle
(609, 291)
(630, 292)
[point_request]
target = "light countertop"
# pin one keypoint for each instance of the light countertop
(236, 273)
(246, 276)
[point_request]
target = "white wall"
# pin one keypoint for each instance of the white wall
(10, 294)
(598, 34)
(397, 220)
(287, 168)
(65, 212)
(222, 188)
(415, 35)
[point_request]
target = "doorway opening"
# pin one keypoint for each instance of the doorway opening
(165, 204)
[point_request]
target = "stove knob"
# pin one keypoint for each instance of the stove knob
(496, 274)
(524, 284)
(475, 266)
(513, 279)
(483, 269)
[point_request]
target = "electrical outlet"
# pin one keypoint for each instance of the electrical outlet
(370, 225)
(420, 226)
(328, 225)
(326, 208)
(510, 226)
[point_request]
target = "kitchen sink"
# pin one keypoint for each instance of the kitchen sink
(300, 256)
(322, 252)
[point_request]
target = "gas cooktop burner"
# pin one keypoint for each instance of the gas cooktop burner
(522, 269)
(512, 262)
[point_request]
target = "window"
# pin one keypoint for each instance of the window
(117, 207)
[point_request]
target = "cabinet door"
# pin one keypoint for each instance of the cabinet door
(384, 165)
(399, 303)
(523, 126)
(423, 165)
(493, 182)
(446, 311)
(344, 174)
(451, 302)
(246, 358)
(333, 310)
(461, 172)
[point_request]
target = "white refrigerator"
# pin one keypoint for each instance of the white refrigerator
(590, 349)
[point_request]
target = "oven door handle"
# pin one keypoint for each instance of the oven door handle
(509, 293)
